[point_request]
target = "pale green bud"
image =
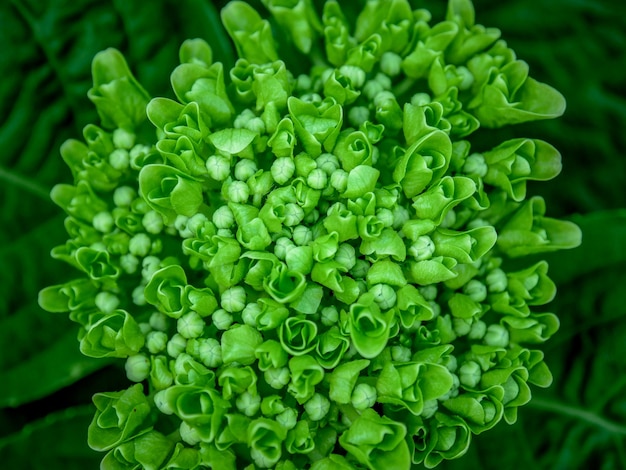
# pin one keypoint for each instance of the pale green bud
(497, 280)
(475, 165)
(210, 352)
(317, 179)
(478, 330)
(330, 315)
(391, 64)
(400, 216)
(119, 159)
(152, 222)
(129, 263)
(475, 290)
(317, 407)
(250, 313)
(293, 214)
(385, 216)
(462, 326)
(248, 403)
(339, 180)
(159, 321)
(238, 192)
(358, 115)
(430, 408)
(189, 434)
(277, 378)
(140, 245)
(103, 222)
(363, 396)
(234, 299)
(124, 196)
(346, 256)
(107, 302)
(420, 99)
(244, 169)
(123, 139)
(137, 367)
(497, 335)
(400, 353)
(327, 162)
(218, 167)
(222, 319)
(138, 295)
(302, 235)
(470, 374)
(156, 341)
(176, 345)
(359, 271)
(422, 249)
(283, 169)
(223, 217)
(282, 246)
(384, 295)
(190, 325)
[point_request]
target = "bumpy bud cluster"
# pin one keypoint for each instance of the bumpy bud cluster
(309, 271)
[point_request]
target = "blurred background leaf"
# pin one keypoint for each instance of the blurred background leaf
(578, 46)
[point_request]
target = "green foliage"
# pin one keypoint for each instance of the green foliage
(576, 423)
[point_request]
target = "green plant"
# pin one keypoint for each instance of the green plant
(310, 268)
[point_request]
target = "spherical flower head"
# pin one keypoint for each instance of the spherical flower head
(315, 264)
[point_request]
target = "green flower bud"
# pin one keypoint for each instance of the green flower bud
(330, 315)
(190, 325)
(124, 196)
(363, 396)
(210, 352)
(358, 115)
(103, 222)
(139, 206)
(250, 313)
(497, 335)
(160, 375)
(327, 162)
(317, 179)
(360, 268)
(238, 191)
(194, 224)
(385, 216)
(400, 353)
(475, 165)
(140, 245)
(234, 299)
(400, 216)
(159, 321)
(346, 256)
(303, 83)
(138, 296)
(372, 88)
(176, 345)
(123, 139)
(156, 341)
(190, 435)
(420, 99)
(256, 125)
(283, 169)
(283, 245)
(137, 367)
(119, 159)
(430, 408)
(477, 330)
(317, 407)
(244, 169)
(462, 326)
(288, 418)
(422, 249)
(150, 265)
(355, 74)
(277, 378)
(384, 295)
(475, 290)
(223, 217)
(470, 374)
(302, 235)
(391, 64)
(152, 222)
(497, 280)
(248, 403)
(218, 167)
(226, 233)
(429, 292)
(145, 328)
(339, 180)
(385, 81)
(107, 302)
(222, 319)
(293, 214)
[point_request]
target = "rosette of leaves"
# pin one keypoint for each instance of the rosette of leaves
(311, 270)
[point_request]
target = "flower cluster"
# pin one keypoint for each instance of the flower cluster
(308, 271)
